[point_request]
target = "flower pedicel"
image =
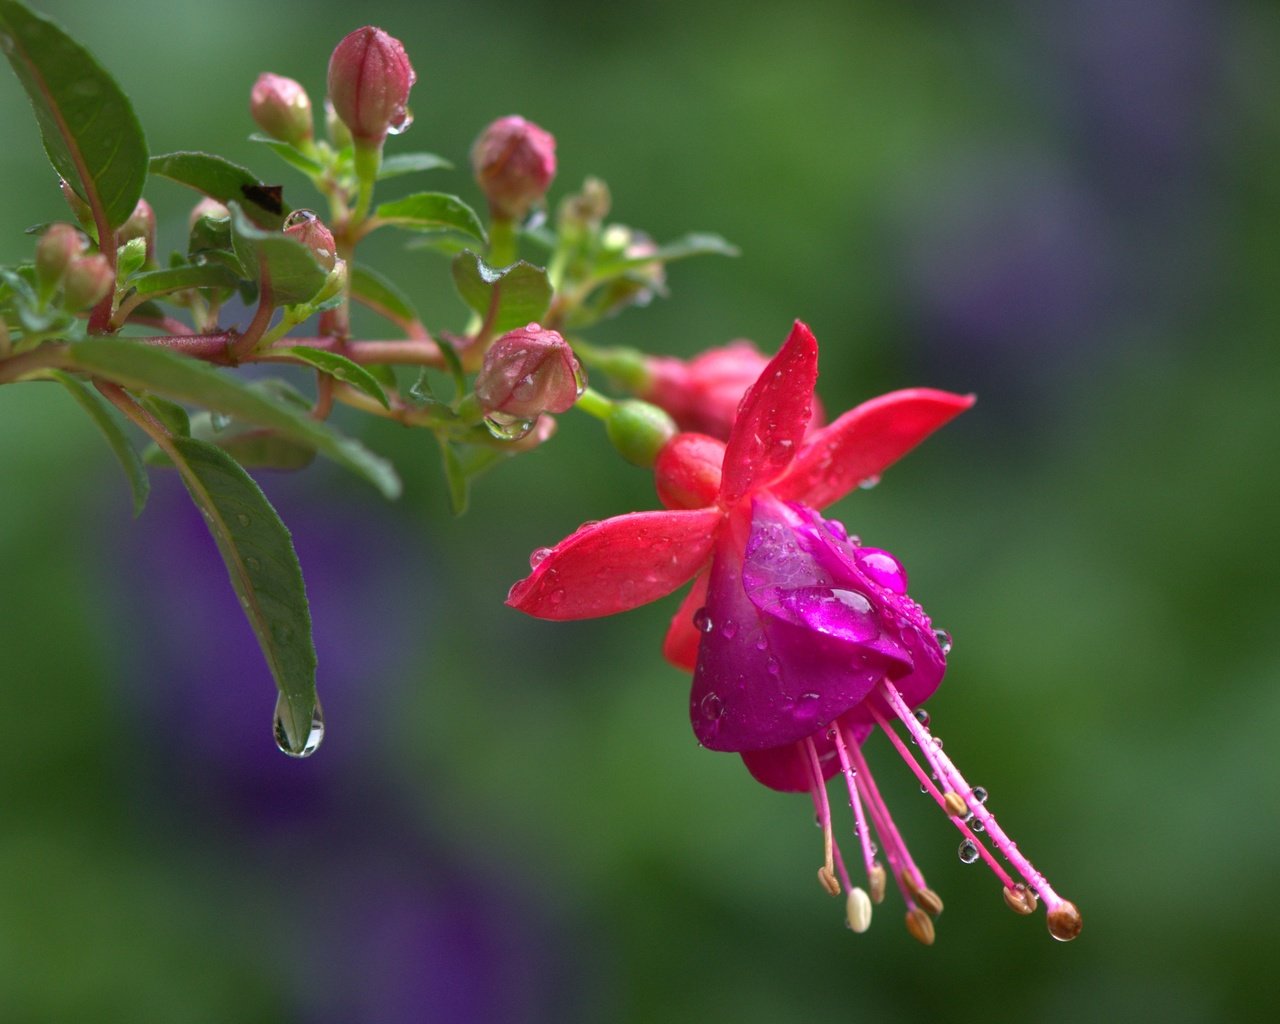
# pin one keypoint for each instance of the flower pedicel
(802, 641)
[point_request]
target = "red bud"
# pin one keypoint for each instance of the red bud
(281, 108)
(514, 161)
(528, 371)
(369, 81)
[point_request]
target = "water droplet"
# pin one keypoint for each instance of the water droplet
(968, 852)
(400, 122)
(977, 825)
(773, 667)
(979, 794)
(922, 716)
(762, 644)
(883, 568)
(836, 529)
(556, 596)
(307, 745)
(536, 558)
(729, 630)
(702, 621)
(507, 428)
(944, 640)
(869, 482)
(243, 518)
(219, 421)
(712, 706)
(579, 379)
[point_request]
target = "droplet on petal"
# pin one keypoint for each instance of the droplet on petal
(702, 621)
(883, 569)
(537, 557)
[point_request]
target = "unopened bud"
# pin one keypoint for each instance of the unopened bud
(141, 224)
(57, 247)
(529, 371)
(920, 926)
(305, 227)
(639, 431)
(955, 804)
(1020, 899)
(207, 208)
(827, 879)
(857, 910)
(585, 210)
(513, 161)
(369, 81)
(687, 471)
(89, 280)
(1065, 922)
(281, 108)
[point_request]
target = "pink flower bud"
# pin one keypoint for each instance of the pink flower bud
(529, 371)
(703, 394)
(141, 224)
(281, 108)
(89, 280)
(687, 471)
(207, 207)
(57, 247)
(514, 161)
(305, 227)
(369, 81)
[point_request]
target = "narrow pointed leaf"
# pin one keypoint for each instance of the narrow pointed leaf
(263, 566)
(431, 211)
(408, 163)
(290, 155)
(100, 412)
(90, 131)
(381, 295)
(617, 564)
(455, 477)
(696, 244)
(343, 369)
(864, 442)
(772, 418)
(195, 275)
(507, 298)
(295, 274)
(142, 367)
(224, 181)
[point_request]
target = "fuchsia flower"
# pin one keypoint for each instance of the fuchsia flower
(802, 641)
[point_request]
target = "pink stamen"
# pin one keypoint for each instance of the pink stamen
(855, 802)
(895, 849)
(824, 811)
(950, 776)
(933, 790)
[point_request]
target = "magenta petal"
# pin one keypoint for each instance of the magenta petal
(787, 768)
(864, 442)
(617, 564)
(772, 418)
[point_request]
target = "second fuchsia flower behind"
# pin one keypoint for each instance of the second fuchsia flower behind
(801, 639)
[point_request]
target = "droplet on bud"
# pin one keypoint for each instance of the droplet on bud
(1065, 922)
(857, 910)
(920, 926)
(294, 746)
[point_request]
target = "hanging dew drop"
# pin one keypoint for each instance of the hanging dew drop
(979, 794)
(977, 825)
(309, 744)
(702, 621)
(922, 716)
(968, 852)
(944, 640)
(507, 428)
(866, 483)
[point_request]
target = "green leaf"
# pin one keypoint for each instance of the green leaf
(682, 248)
(171, 414)
(431, 211)
(506, 298)
(101, 413)
(196, 275)
(455, 476)
(224, 181)
(142, 367)
(448, 242)
(408, 163)
(380, 295)
(295, 274)
(258, 552)
(291, 155)
(343, 369)
(90, 131)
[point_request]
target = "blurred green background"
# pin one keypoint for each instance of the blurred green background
(1069, 209)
